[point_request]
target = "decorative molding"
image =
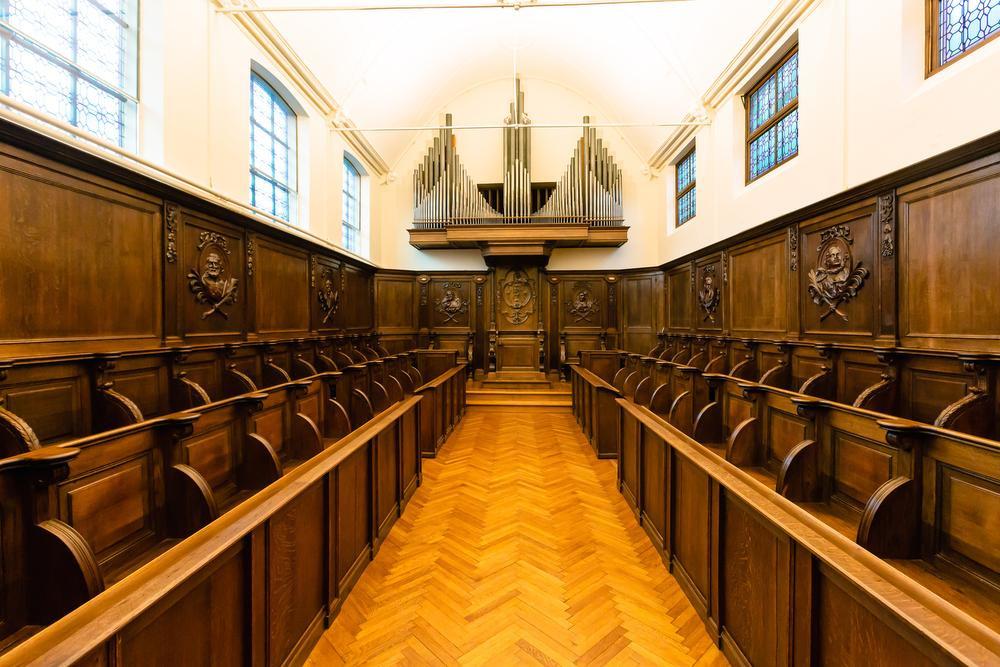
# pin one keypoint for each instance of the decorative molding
(887, 222)
(709, 294)
(725, 268)
(583, 306)
(516, 295)
(423, 280)
(251, 255)
(171, 211)
(835, 279)
(313, 268)
(793, 248)
(206, 239)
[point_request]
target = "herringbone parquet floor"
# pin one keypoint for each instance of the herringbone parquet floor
(517, 549)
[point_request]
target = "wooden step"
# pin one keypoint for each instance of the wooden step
(510, 383)
(501, 396)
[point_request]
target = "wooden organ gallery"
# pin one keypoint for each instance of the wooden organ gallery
(222, 437)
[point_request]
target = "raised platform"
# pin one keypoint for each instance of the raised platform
(523, 390)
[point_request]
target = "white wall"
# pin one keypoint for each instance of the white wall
(195, 108)
(865, 109)
(551, 150)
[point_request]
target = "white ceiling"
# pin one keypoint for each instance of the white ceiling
(636, 63)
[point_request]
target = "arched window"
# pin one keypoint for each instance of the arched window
(352, 205)
(272, 150)
(74, 60)
(686, 184)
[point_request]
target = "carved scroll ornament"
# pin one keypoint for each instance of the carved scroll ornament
(451, 304)
(583, 306)
(208, 282)
(709, 294)
(836, 278)
(517, 295)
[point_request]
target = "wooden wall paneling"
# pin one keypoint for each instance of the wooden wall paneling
(755, 580)
(213, 294)
(83, 260)
(398, 309)
(759, 287)
(53, 399)
(358, 309)
(947, 257)
(680, 298)
(642, 310)
(839, 276)
(929, 385)
(582, 312)
(283, 288)
(692, 535)
(452, 311)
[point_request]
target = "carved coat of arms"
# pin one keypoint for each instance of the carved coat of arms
(209, 282)
(582, 307)
(451, 305)
(836, 278)
(709, 294)
(327, 294)
(517, 295)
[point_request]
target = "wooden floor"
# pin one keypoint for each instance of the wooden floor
(517, 549)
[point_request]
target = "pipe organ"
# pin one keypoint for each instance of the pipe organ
(589, 191)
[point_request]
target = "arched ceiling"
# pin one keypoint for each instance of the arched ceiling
(636, 63)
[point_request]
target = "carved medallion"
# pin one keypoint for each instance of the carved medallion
(451, 305)
(836, 279)
(709, 294)
(583, 306)
(327, 293)
(209, 282)
(517, 295)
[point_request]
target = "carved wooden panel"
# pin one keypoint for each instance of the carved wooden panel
(948, 258)
(73, 246)
(328, 279)
(213, 292)
(451, 303)
(582, 303)
(839, 273)
(758, 287)
(517, 294)
(709, 292)
(282, 285)
(357, 306)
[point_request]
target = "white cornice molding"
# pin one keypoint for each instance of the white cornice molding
(265, 35)
(782, 20)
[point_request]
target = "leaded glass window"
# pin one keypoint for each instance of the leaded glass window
(686, 188)
(773, 118)
(74, 60)
(961, 25)
(352, 206)
(272, 150)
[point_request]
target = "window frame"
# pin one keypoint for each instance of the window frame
(291, 144)
(351, 167)
(127, 93)
(777, 117)
(679, 194)
(932, 50)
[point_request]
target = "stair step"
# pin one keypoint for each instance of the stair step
(489, 403)
(486, 394)
(526, 383)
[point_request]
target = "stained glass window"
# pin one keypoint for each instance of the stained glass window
(272, 150)
(352, 206)
(74, 60)
(962, 25)
(686, 188)
(773, 118)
